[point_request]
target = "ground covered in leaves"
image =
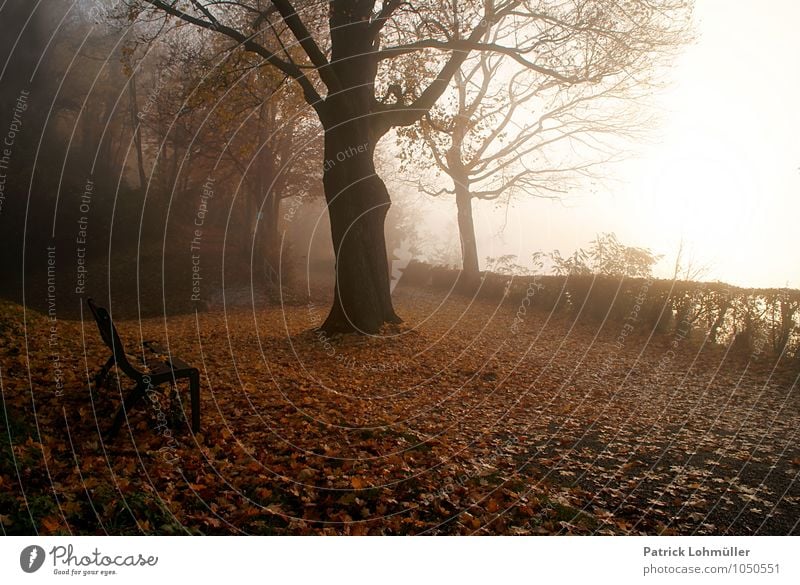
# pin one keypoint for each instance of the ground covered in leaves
(470, 418)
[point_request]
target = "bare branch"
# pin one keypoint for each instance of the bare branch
(401, 115)
(473, 44)
(309, 92)
(307, 42)
(387, 9)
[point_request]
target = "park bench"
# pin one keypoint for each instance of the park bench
(161, 371)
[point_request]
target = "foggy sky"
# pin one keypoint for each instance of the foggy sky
(723, 174)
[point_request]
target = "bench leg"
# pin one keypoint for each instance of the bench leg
(100, 378)
(175, 417)
(194, 389)
(130, 401)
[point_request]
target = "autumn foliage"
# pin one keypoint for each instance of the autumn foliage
(474, 417)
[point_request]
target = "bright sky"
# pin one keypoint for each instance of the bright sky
(724, 175)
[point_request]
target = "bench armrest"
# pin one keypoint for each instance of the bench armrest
(179, 364)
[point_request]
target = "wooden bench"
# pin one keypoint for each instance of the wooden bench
(164, 370)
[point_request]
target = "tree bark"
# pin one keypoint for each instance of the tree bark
(271, 244)
(357, 198)
(358, 202)
(715, 327)
(263, 214)
(470, 272)
(267, 243)
(470, 269)
(137, 132)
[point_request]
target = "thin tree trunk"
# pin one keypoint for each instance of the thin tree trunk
(714, 330)
(267, 242)
(470, 271)
(137, 131)
(270, 242)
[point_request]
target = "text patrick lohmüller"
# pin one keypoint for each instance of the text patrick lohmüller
(688, 551)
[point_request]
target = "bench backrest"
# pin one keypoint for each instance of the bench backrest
(111, 338)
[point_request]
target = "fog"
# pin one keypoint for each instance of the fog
(721, 174)
(716, 179)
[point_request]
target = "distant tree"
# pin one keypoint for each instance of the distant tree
(222, 114)
(506, 130)
(61, 82)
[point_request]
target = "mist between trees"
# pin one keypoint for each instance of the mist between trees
(285, 107)
(146, 123)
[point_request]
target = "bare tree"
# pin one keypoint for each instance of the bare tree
(365, 51)
(505, 130)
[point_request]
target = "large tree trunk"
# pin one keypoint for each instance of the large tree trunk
(357, 204)
(357, 198)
